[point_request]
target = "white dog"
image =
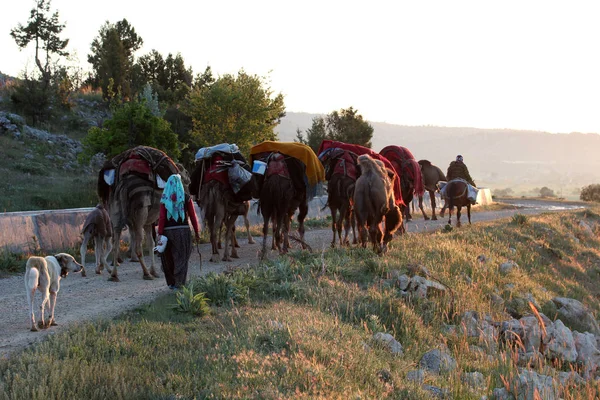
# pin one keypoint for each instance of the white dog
(44, 274)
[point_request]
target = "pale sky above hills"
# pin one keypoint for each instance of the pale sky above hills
(505, 64)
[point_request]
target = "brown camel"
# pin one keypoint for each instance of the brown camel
(282, 192)
(341, 173)
(431, 176)
(456, 195)
(134, 200)
(374, 201)
(219, 204)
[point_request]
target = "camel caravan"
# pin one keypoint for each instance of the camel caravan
(368, 192)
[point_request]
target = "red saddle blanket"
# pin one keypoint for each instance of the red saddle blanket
(346, 165)
(135, 164)
(216, 172)
(277, 166)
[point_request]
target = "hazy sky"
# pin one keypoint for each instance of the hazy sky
(503, 64)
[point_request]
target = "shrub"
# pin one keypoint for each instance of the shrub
(590, 193)
(190, 302)
(519, 219)
(547, 192)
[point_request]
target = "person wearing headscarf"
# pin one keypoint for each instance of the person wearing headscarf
(176, 209)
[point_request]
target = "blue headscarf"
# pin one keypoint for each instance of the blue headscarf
(173, 198)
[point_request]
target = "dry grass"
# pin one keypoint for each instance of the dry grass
(301, 326)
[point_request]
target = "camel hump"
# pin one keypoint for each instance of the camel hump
(424, 163)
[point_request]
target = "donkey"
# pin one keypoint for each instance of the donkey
(456, 195)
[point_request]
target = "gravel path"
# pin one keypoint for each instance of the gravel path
(84, 299)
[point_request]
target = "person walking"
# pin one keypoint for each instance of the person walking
(176, 210)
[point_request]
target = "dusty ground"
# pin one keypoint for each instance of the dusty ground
(83, 299)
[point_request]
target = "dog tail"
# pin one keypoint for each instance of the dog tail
(36, 272)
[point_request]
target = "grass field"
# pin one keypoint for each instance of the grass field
(302, 326)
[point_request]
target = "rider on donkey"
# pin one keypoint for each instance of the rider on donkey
(458, 169)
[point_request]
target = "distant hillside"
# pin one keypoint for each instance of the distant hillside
(497, 158)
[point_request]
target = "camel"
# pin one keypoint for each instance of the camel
(134, 200)
(282, 191)
(246, 205)
(456, 195)
(431, 176)
(341, 174)
(374, 201)
(220, 206)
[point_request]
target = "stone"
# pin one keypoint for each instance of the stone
(384, 375)
(561, 345)
(502, 394)
(574, 315)
(437, 361)
(497, 300)
(587, 352)
(475, 380)
(532, 386)
(403, 282)
(507, 267)
(569, 378)
(482, 258)
(586, 228)
(389, 342)
(436, 392)
(417, 375)
(423, 287)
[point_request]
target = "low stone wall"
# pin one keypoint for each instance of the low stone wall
(51, 230)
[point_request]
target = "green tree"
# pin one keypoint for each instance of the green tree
(169, 77)
(35, 94)
(348, 126)
(44, 31)
(300, 137)
(112, 58)
(590, 193)
(345, 126)
(235, 109)
(316, 133)
(132, 124)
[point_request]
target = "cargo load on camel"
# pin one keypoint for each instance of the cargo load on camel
(225, 164)
(146, 162)
(360, 150)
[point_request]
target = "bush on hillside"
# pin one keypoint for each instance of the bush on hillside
(590, 193)
(132, 124)
(547, 192)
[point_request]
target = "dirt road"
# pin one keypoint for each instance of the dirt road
(83, 299)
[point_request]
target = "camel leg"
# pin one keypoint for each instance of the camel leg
(266, 217)
(333, 224)
(114, 277)
(83, 250)
(247, 223)
(303, 211)
(229, 235)
(425, 217)
(234, 242)
(219, 239)
(150, 242)
(45, 303)
(458, 216)
(353, 223)
(449, 215)
(433, 205)
(136, 246)
(340, 223)
(285, 227)
(273, 243)
(347, 217)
